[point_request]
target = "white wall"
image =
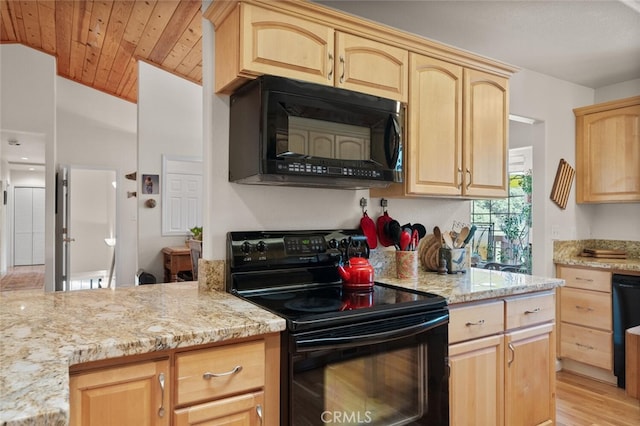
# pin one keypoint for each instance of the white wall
(99, 131)
(27, 104)
(617, 91)
(170, 118)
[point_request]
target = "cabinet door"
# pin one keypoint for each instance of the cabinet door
(434, 136)
(279, 44)
(530, 376)
(608, 156)
(371, 67)
(241, 410)
(486, 114)
(476, 389)
(136, 394)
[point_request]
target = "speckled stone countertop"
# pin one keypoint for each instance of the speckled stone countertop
(567, 253)
(475, 284)
(42, 334)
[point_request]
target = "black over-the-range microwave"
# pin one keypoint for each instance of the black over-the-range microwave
(289, 132)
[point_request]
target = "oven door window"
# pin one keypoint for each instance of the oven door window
(377, 386)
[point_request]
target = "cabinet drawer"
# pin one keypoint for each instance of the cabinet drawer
(586, 345)
(472, 321)
(236, 410)
(523, 311)
(586, 308)
(586, 279)
(240, 367)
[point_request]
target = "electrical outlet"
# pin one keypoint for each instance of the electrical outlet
(555, 232)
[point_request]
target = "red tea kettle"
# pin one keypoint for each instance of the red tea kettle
(357, 275)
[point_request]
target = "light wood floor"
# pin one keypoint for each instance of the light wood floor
(584, 402)
(23, 278)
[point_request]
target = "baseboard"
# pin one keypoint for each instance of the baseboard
(588, 371)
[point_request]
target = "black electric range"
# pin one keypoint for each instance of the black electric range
(384, 348)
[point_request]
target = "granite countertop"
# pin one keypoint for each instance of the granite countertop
(475, 284)
(568, 253)
(42, 334)
(45, 333)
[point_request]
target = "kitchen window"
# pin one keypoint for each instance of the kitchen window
(504, 226)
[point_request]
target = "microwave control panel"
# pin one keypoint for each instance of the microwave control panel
(312, 169)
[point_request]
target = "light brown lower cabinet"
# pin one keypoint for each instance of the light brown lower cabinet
(224, 384)
(502, 361)
(134, 394)
(242, 410)
(530, 376)
(476, 385)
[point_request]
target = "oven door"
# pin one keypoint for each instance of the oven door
(383, 372)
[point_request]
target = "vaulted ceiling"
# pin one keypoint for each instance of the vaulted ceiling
(99, 43)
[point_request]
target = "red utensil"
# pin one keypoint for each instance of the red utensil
(405, 240)
(415, 237)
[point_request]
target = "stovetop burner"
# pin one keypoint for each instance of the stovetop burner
(313, 304)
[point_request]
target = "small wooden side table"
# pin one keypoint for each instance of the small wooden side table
(175, 259)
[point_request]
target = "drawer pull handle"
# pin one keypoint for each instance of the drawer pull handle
(480, 322)
(513, 354)
(580, 345)
(589, 280)
(161, 381)
(584, 308)
(235, 370)
(259, 412)
(535, 311)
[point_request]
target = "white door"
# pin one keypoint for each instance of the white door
(28, 226)
(86, 228)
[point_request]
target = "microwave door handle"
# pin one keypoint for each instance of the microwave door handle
(392, 141)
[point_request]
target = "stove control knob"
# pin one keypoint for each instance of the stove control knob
(333, 243)
(261, 246)
(246, 247)
(344, 243)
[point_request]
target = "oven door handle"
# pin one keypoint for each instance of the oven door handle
(354, 340)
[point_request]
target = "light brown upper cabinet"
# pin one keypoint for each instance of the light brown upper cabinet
(456, 141)
(252, 41)
(371, 67)
(608, 152)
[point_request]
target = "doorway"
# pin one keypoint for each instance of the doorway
(86, 228)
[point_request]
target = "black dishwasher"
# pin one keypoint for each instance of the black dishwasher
(626, 314)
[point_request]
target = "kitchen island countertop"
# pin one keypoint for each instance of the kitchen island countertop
(43, 334)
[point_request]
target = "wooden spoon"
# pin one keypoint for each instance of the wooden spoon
(448, 241)
(438, 235)
(461, 237)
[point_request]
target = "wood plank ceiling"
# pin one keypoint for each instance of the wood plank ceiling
(99, 43)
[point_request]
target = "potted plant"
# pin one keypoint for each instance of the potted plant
(196, 233)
